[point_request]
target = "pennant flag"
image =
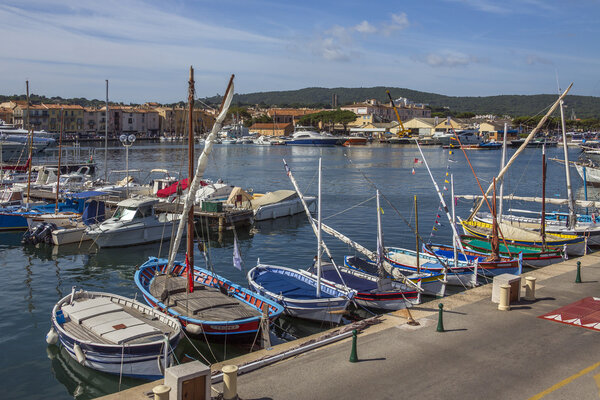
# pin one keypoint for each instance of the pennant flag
(446, 173)
(190, 274)
(438, 216)
(446, 181)
(237, 259)
(445, 188)
(287, 169)
(416, 161)
(450, 152)
(413, 171)
(381, 210)
(434, 228)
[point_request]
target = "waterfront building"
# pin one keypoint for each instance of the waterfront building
(371, 111)
(290, 115)
(38, 116)
(421, 126)
(173, 121)
(6, 114)
(449, 124)
(72, 115)
(272, 129)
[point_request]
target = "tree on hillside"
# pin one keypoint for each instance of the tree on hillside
(329, 118)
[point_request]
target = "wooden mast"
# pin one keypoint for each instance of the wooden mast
(495, 245)
(59, 159)
(543, 219)
(190, 222)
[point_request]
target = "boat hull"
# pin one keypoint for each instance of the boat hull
(139, 360)
(282, 209)
(131, 235)
(148, 270)
(325, 309)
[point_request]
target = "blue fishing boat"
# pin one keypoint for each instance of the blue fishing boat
(215, 306)
(302, 294)
(15, 217)
(459, 273)
(486, 266)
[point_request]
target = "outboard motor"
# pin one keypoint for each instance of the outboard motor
(42, 233)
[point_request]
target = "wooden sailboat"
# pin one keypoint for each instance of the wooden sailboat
(303, 294)
(204, 302)
(474, 226)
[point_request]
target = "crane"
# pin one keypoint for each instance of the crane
(402, 132)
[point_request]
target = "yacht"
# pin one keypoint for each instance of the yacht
(134, 222)
(306, 137)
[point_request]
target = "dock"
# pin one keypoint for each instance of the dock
(220, 221)
(482, 352)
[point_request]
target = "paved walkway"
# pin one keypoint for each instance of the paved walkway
(484, 354)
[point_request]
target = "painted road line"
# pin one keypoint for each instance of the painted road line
(567, 381)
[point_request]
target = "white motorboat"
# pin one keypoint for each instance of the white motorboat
(280, 203)
(306, 137)
(134, 222)
(263, 141)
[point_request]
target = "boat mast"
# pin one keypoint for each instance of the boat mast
(319, 235)
(380, 247)
(455, 239)
(106, 136)
(417, 236)
(59, 159)
(202, 161)
(543, 219)
(494, 243)
(572, 215)
(30, 145)
(520, 150)
(500, 208)
(190, 221)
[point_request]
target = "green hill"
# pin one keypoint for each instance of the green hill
(513, 105)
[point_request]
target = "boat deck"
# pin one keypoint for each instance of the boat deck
(288, 286)
(204, 303)
(99, 320)
(355, 282)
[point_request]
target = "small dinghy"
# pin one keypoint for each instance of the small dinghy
(114, 334)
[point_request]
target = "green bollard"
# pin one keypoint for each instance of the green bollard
(353, 356)
(578, 277)
(440, 327)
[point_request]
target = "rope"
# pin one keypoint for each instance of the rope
(121, 371)
(195, 348)
(350, 208)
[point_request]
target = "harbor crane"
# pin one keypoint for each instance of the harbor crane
(402, 132)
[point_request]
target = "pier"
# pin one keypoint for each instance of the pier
(481, 353)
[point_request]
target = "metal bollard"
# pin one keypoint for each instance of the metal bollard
(161, 392)
(504, 304)
(230, 382)
(578, 277)
(440, 327)
(353, 354)
(530, 288)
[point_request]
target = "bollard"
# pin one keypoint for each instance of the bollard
(161, 392)
(504, 304)
(230, 382)
(353, 354)
(440, 327)
(578, 277)
(530, 288)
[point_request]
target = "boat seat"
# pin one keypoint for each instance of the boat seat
(106, 323)
(82, 310)
(128, 334)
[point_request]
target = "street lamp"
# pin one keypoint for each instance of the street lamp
(127, 141)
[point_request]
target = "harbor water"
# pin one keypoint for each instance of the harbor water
(34, 278)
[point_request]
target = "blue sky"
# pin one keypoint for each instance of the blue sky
(453, 47)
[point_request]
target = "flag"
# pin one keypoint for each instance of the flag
(190, 274)
(287, 169)
(237, 259)
(413, 171)
(450, 152)
(416, 160)
(381, 209)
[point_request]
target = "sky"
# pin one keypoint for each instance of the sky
(144, 48)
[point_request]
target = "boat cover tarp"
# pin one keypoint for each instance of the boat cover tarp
(273, 197)
(172, 189)
(354, 282)
(288, 286)
(238, 195)
(93, 213)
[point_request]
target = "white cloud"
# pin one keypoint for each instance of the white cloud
(447, 59)
(399, 22)
(365, 27)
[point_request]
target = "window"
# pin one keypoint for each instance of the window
(130, 120)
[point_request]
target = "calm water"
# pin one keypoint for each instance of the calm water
(34, 278)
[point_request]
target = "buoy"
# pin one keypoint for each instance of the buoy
(52, 336)
(193, 329)
(79, 354)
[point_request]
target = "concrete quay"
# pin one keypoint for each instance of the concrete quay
(483, 353)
